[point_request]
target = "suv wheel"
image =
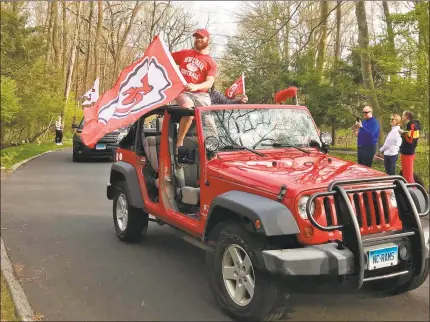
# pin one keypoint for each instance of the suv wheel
(239, 287)
(131, 224)
(76, 158)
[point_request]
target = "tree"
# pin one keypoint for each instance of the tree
(366, 67)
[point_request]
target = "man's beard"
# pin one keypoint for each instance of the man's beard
(201, 45)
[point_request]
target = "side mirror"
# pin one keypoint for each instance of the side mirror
(187, 155)
(74, 126)
(326, 138)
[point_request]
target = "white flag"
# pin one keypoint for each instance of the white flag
(92, 95)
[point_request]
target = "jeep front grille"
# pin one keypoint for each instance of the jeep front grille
(371, 209)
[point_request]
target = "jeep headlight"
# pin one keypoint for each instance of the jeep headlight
(393, 200)
(302, 207)
(121, 136)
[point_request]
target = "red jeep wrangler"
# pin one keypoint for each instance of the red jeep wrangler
(254, 186)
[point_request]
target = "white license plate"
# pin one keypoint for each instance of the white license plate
(383, 257)
(100, 146)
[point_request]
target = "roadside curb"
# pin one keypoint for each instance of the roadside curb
(19, 298)
(22, 305)
(17, 165)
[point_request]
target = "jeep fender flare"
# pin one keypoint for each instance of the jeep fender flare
(276, 219)
(123, 171)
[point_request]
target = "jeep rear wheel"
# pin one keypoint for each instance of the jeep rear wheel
(131, 224)
(239, 287)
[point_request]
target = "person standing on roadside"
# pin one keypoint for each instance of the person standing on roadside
(391, 145)
(59, 125)
(409, 144)
(367, 132)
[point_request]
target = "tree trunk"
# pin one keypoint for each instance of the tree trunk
(48, 34)
(333, 131)
(87, 59)
(390, 31)
(366, 68)
(64, 38)
(72, 57)
(55, 40)
(97, 39)
(338, 23)
(136, 9)
(322, 45)
(287, 36)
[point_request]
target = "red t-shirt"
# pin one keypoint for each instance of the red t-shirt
(195, 67)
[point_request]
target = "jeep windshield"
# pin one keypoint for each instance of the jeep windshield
(260, 128)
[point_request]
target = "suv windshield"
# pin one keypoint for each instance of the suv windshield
(260, 128)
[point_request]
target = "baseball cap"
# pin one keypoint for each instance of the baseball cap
(202, 32)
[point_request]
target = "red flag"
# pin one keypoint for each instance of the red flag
(285, 93)
(152, 81)
(238, 88)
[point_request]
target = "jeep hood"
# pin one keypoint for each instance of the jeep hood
(298, 171)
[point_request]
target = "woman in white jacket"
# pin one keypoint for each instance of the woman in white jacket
(392, 144)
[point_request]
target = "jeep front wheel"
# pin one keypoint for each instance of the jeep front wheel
(239, 287)
(131, 224)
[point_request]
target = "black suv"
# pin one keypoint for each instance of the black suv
(105, 147)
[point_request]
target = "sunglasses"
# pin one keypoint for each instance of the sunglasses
(366, 112)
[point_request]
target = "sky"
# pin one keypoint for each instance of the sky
(221, 15)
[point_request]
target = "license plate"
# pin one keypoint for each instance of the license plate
(383, 257)
(100, 146)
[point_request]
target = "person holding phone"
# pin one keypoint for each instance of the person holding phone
(367, 132)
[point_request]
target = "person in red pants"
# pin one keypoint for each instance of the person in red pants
(409, 144)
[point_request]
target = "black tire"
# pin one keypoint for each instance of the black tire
(76, 158)
(386, 286)
(269, 300)
(136, 226)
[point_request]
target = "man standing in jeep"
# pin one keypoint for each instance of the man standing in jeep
(199, 70)
(409, 143)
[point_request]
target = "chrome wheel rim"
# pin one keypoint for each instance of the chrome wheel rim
(238, 275)
(122, 212)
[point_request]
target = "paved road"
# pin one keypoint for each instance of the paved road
(57, 225)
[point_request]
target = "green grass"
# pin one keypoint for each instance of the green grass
(12, 155)
(421, 164)
(7, 307)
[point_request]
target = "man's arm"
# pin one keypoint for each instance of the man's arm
(219, 98)
(205, 85)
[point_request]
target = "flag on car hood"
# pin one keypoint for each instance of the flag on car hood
(151, 81)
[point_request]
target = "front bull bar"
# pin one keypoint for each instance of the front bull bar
(350, 229)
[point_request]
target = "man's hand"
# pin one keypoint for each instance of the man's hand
(191, 87)
(244, 99)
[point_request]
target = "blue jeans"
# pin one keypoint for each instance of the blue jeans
(390, 163)
(365, 155)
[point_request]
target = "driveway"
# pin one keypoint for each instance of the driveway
(57, 226)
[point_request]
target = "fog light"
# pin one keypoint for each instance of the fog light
(403, 252)
(308, 232)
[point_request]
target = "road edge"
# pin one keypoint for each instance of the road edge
(20, 300)
(22, 305)
(21, 163)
